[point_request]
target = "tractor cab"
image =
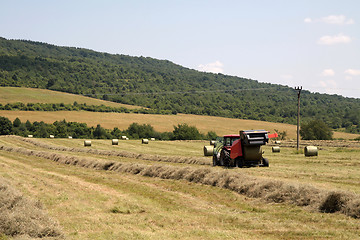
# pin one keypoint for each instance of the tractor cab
(229, 140)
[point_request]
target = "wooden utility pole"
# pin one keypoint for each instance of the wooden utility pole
(298, 117)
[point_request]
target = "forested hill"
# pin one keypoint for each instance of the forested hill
(161, 84)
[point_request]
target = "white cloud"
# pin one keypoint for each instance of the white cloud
(331, 40)
(327, 73)
(337, 19)
(307, 20)
(215, 67)
(328, 86)
(353, 72)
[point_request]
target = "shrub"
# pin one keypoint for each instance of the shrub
(316, 130)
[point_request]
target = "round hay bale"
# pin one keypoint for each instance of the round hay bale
(152, 139)
(145, 141)
(277, 142)
(252, 153)
(208, 150)
(123, 137)
(70, 137)
(276, 149)
(127, 138)
(87, 143)
(310, 151)
(115, 142)
(212, 142)
(30, 136)
(52, 136)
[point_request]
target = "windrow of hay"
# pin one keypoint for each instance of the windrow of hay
(20, 216)
(266, 189)
(149, 157)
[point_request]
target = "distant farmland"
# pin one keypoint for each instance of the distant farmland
(35, 95)
(161, 123)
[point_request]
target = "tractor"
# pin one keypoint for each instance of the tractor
(240, 150)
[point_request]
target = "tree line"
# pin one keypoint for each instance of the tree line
(78, 107)
(64, 129)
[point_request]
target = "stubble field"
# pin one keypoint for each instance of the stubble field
(168, 190)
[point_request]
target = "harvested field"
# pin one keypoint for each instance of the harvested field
(23, 217)
(161, 123)
(37, 95)
(95, 193)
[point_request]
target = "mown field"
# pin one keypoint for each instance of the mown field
(36, 95)
(168, 190)
(161, 123)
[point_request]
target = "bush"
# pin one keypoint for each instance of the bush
(185, 132)
(316, 130)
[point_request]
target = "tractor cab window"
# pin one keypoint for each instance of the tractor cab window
(229, 141)
(233, 140)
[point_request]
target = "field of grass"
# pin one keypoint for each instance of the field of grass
(36, 95)
(129, 203)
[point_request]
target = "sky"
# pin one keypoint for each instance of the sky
(310, 43)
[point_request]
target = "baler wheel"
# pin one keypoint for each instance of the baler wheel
(265, 162)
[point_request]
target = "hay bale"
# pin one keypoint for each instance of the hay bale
(252, 153)
(277, 142)
(127, 138)
(152, 139)
(208, 150)
(123, 137)
(87, 143)
(276, 149)
(70, 137)
(30, 136)
(310, 151)
(212, 142)
(115, 142)
(52, 136)
(145, 141)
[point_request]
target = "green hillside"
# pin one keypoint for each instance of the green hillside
(160, 84)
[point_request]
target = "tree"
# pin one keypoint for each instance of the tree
(5, 126)
(185, 132)
(211, 135)
(316, 130)
(99, 132)
(17, 122)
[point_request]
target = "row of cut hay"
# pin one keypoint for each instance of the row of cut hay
(21, 216)
(318, 143)
(266, 189)
(150, 157)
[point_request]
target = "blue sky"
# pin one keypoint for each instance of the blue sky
(314, 44)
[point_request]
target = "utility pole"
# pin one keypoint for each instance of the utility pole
(298, 117)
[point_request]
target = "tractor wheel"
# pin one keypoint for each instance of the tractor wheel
(225, 158)
(265, 162)
(214, 163)
(240, 162)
